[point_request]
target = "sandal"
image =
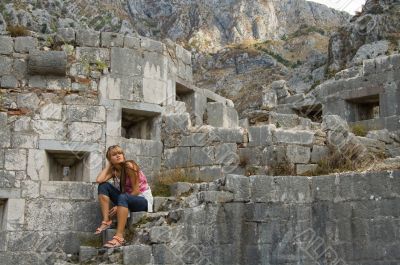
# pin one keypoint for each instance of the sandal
(115, 242)
(104, 226)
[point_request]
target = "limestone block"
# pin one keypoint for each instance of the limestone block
(215, 196)
(87, 38)
(87, 253)
(49, 129)
(250, 156)
(177, 157)
(284, 120)
(9, 81)
(47, 63)
(293, 99)
(131, 42)
(20, 68)
(6, 45)
(213, 97)
(15, 216)
(93, 55)
(111, 39)
(67, 190)
(373, 145)
(201, 156)
(239, 186)
(269, 100)
(152, 45)
(178, 188)
(137, 254)
(51, 111)
(184, 55)
(298, 154)
(25, 44)
(28, 100)
(370, 50)
(24, 140)
(194, 139)
(226, 154)
(302, 169)
(154, 91)
(208, 173)
(318, 153)
(65, 35)
(7, 179)
(280, 89)
(260, 135)
(85, 132)
(226, 135)
(5, 65)
(218, 115)
(85, 113)
(151, 148)
(30, 189)
(15, 159)
(369, 67)
(5, 137)
(2, 158)
(293, 137)
(126, 62)
(177, 123)
(37, 81)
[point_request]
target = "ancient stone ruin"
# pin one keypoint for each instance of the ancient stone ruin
(65, 99)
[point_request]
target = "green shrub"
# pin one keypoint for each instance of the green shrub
(359, 130)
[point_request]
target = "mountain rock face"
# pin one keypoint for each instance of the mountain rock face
(373, 32)
(209, 25)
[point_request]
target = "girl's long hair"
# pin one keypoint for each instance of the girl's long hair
(129, 172)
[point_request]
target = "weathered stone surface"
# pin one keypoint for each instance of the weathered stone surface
(177, 157)
(65, 35)
(15, 159)
(5, 65)
(49, 129)
(219, 115)
(269, 100)
(284, 120)
(9, 81)
(51, 111)
(298, 154)
(176, 123)
(87, 38)
(200, 156)
(137, 254)
(15, 218)
(226, 154)
(67, 190)
(125, 62)
(85, 132)
(37, 81)
(239, 185)
(152, 45)
(226, 135)
(293, 137)
(28, 100)
(30, 189)
(302, 169)
(6, 45)
(215, 196)
(381, 135)
(111, 39)
(131, 42)
(178, 188)
(260, 135)
(7, 179)
(318, 153)
(87, 253)
(93, 55)
(24, 140)
(85, 114)
(25, 44)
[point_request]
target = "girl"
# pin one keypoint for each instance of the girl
(129, 192)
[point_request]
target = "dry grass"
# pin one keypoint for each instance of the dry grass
(359, 130)
(162, 182)
(17, 31)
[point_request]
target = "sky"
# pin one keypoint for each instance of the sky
(345, 5)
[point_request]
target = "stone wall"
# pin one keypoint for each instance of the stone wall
(350, 218)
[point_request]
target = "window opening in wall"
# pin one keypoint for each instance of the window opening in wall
(67, 165)
(365, 108)
(314, 113)
(2, 213)
(139, 124)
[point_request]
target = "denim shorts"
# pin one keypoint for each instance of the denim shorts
(132, 202)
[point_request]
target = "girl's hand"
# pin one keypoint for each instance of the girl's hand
(112, 211)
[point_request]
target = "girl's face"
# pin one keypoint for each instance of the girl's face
(116, 156)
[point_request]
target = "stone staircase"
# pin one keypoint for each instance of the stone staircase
(145, 232)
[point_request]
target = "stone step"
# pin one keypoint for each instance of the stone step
(87, 253)
(108, 235)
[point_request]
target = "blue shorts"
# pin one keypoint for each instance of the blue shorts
(132, 202)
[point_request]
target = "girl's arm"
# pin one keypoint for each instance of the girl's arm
(105, 174)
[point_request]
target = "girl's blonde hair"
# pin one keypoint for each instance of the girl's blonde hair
(114, 149)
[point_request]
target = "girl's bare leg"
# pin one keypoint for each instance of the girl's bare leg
(122, 216)
(105, 206)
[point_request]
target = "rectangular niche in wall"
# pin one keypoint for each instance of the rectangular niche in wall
(2, 213)
(313, 112)
(68, 165)
(365, 108)
(140, 124)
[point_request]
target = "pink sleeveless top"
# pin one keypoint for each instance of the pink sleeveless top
(143, 185)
